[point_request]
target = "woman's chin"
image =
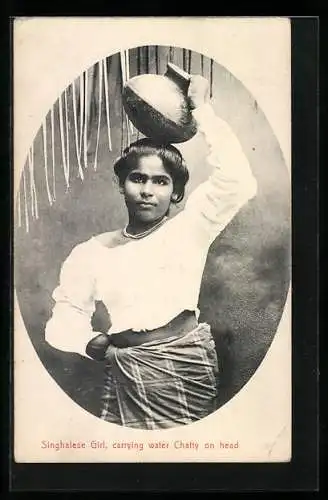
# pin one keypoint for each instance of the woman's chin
(147, 217)
(147, 220)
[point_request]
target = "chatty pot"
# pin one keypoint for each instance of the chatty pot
(159, 107)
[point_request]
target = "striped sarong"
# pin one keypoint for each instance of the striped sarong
(162, 383)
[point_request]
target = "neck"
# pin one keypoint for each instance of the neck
(136, 226)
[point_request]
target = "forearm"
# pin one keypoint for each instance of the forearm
(231, 184)
(69, 330)
(232, 170)
(69, 327)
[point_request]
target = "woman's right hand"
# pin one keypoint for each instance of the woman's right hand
(198, 91)
(97, 346)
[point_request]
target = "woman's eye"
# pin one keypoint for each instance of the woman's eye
(162, 182)
(136, 178)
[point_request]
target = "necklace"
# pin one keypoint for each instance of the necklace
(144, 233)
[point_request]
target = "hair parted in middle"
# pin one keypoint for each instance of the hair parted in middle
(171, 157)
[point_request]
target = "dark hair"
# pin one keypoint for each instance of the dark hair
(171, 157)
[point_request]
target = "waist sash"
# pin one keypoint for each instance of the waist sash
(177, 327)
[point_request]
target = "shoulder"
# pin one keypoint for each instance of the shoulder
(77, 256)
(85, 258)
(110, 239)
(92, 249)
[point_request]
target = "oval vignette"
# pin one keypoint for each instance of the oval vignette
(247, 272)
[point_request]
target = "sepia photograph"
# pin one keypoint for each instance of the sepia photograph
(152, 248)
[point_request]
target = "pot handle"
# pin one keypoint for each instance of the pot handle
(179, 76)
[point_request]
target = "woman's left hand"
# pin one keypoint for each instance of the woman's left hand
(198, 91)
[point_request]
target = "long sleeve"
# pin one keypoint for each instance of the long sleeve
(69, 328)
(231, 184)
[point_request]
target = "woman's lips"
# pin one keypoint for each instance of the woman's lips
(145, 205)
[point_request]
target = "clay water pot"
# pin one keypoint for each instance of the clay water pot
(158, 105)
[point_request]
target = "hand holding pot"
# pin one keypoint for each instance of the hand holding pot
(198, 91)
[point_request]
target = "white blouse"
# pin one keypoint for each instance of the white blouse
(145, 283)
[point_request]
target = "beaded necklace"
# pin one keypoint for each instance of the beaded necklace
(144, 233)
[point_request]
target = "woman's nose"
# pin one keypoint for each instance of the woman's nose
(147, 189)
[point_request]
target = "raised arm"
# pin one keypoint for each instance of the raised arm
(231, 184)
(69, 328)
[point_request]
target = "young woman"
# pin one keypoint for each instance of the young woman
(161, 369)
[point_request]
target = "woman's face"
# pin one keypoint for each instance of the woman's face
(148, 190)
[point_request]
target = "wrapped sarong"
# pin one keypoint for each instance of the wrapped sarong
(162, 383)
